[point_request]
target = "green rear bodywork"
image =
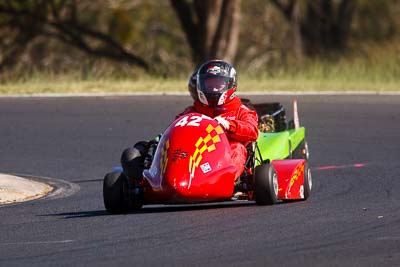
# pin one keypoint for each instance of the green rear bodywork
(279, 145)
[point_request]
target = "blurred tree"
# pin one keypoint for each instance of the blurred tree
(376, 20)
(12, 41)
(324, 25)
(266, 44)
(105, 38)
(211, 27)
(61, 20)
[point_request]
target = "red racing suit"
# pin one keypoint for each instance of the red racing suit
(242, 130)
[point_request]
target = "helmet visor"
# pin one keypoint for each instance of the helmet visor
(213, 84)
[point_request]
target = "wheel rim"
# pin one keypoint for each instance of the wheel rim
(307, 153)
(309, 178)
(275, 183)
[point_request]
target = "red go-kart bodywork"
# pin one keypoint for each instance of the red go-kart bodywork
(192, 164)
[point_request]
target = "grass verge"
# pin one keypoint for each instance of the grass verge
(246, 84)
(377, 72)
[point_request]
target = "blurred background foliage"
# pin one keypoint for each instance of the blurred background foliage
(121, 39)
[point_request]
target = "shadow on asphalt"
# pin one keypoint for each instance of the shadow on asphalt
(153, 209)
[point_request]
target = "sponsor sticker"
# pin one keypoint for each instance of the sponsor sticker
(214, 69)
(205, 167)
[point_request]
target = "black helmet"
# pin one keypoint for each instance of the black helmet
(216, 83)
(192, 86)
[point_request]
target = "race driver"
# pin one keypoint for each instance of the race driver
(213, 88)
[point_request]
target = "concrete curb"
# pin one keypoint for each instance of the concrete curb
(17, 189)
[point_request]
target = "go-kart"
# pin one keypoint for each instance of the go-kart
(191, 164)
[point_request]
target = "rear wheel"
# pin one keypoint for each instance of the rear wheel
(115, 188)
(301, 151)
(266, 185)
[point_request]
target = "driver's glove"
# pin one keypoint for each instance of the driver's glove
(223, 122)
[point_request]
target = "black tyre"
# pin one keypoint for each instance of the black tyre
(301, 151)
(114, 193)
(308, 183)
(266, 185)
(132, 162)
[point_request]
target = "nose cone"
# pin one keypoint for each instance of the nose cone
(192, 162)
(213, 186)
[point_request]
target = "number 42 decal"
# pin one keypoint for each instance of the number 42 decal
(193, 120)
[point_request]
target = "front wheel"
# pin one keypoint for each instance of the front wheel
(307, 181)
(114, 190)
(266, 185)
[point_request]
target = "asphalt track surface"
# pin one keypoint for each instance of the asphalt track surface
(351, 219)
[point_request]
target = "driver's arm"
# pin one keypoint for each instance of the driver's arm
(245, 128)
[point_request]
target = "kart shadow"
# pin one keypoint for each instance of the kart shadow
(191, 207)
(79, 214)
(153, 209)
